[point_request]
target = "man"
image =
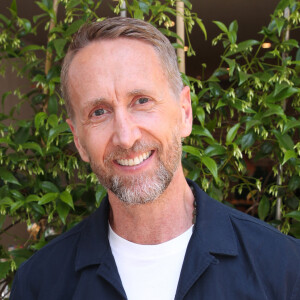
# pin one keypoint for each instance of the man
(128, 113)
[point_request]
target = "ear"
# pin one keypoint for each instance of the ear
(78, 145)
(186, 110)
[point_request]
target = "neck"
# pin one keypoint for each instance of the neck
(159, 221)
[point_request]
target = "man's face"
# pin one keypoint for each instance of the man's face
(127, 122)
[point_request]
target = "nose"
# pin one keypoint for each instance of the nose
(126, 130)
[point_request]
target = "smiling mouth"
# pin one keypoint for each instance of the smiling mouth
(134, 161)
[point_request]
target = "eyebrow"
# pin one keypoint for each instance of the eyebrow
(94, 102)
(102, 100)
(138, 92)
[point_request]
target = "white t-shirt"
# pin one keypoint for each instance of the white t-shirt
(149, 271)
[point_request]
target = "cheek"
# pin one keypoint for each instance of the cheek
(94, 143)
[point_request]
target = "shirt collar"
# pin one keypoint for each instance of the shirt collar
(213, 228)
(213, 231)
(93, 243)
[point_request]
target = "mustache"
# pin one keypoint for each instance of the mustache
(139, 146)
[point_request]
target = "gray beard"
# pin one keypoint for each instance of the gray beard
(144, 188)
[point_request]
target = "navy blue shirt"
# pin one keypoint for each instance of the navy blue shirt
(230, 256)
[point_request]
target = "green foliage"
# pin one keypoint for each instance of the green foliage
(250, 107)
(43, 182)
(247, 111)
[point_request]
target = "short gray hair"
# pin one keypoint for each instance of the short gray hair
(113, 28)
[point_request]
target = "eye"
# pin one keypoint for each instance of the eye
(142, 100)
(99, 112)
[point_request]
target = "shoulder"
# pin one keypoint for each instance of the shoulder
(246, 228)
(41, 270)
(257, 231)
(252, 247)
(56, 251)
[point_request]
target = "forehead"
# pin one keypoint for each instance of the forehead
(117, 52)
(118, 64)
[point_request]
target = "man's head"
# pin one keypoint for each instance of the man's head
(128, 119)
(118, 27)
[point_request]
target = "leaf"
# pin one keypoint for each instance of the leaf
(21, 253)
(53, 120)
(39, 245)
(295, 230)
(192, 150)
(59, 45)
(26, 25)
(22, 135)
(274, 110)
(288, 155)
(4, 19)
(74, 27)
(248, 140)
(4, 96)
(54, 132)
(231, 63)
(214, 149)
(35, 18)
(31, 48)
(243, 77)
(263, 208)
(38, 208)
(200, 113)
(13, 6)
(298, 55)
(17, 195)
(2, 220)
(284, 94)
(63, 211)
(138, 14)
(8, 176)
(251, 123)
(211, 166)
(6, 201)
(221, 25)
(201, 131)
(100, 193)
(168, 32)
(73, 3)
(279, 24)
(284, 140)
(32, 198)
(188, 4)
(48, 186)
(144, 7)
(67, 198)
(52, 105)
(232, 133)
(290, 124)
(282, 5)
(50, 197)
(5, 267)
(39, 119)
(202, 27)
(242, 46)
(232, 37)
(15, 206)
(294, 183)
(42, 6)
(294, 214)
(233, 27)
(220, 103)
(33, 146)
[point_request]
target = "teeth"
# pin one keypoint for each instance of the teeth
(135, 161)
